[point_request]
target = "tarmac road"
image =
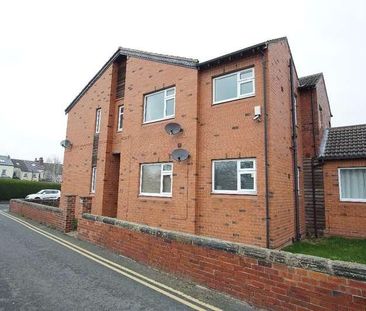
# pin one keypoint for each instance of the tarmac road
(40, 271)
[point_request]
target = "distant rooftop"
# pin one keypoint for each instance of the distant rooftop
(5, 160)
(346, 142)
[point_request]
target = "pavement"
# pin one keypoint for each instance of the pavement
(43, 269)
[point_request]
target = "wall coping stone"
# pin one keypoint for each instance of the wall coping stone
(37, 205)
(263, 255)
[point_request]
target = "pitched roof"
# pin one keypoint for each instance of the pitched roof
(310, 81)
(20, 164)
(5, 160)
(173, 60)
(33, 166)
(346, 142)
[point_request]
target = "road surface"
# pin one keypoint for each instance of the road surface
(42, 269)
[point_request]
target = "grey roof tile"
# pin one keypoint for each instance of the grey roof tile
(346, 142)
(309, 81)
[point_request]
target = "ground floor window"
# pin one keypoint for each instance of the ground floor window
(352, 184)
(93, 179)
(234, 176)
(156, 179)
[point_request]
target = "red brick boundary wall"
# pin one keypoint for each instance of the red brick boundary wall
(60, 219)
(271, 279)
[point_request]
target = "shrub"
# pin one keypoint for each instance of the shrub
(16, 189)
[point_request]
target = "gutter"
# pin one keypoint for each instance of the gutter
(265, 123)
(294, 150)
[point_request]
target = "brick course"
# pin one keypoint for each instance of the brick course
(270, 279)
(342, 218)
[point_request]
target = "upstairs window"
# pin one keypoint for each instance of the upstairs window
(159, 105)
(352, 184)
(233, 86)
(120, 118)
(234, 176)
(98, 120)
(156, 179)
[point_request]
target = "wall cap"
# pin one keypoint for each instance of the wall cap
(265, 256)
(37, 205)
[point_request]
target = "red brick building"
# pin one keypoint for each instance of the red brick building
(251, 127)
(343, 153)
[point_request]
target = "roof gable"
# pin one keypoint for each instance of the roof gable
(5, 160)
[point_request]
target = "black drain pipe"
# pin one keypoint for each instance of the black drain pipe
(265, 123)
(312, 165)
(294, 150)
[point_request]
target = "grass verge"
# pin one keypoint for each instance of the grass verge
(336, 248)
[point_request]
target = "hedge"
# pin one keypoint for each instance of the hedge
(16, 189)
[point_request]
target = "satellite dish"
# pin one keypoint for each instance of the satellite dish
(180, 154)
(173, 128)
(66, 144)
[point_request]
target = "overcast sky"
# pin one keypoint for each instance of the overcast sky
(49, 50)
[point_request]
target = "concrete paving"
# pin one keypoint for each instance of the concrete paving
(36, 273)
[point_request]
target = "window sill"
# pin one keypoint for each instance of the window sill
(232, 100)
(353, 200)
(252, 194)
(159, 120)
(152, 196)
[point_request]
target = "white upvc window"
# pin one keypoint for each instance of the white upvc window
(120, 118)
(156, 179)
(233, 86)
(159, 105)
(93, 179)
(236, 176)
(98, 120)
(352, 184)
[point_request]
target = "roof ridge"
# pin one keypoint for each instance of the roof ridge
(123, 49)
(312, 75)
(348, 126)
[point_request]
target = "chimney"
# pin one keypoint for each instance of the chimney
(35, 160)
(41, 160)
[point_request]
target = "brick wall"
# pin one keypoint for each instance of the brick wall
(270, 279)
(228, 131)
(60, 219)
(342, 218)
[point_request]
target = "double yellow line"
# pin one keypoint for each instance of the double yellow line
(176, 295)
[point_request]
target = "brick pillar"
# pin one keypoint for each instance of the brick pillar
(86, 205)
(69, 212)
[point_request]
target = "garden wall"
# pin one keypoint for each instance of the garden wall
(60, 219)
(271, 279)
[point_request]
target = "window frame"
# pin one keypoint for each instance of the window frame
(239, 171)
(238, 83)
(162, 174)
(98, 120)
(121, 111)
(93, 183)
(340, 184)
(166, 98)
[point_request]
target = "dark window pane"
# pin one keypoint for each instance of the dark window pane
(226, 88)
(246, 164)
(167, 183)
(226, 175)
(154, 108)
(150, 181)
(246, 182)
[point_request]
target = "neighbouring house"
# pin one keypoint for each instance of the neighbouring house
(37, 170)
(344, 156)
(251, 127)
(27, 170)
(6, 167)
